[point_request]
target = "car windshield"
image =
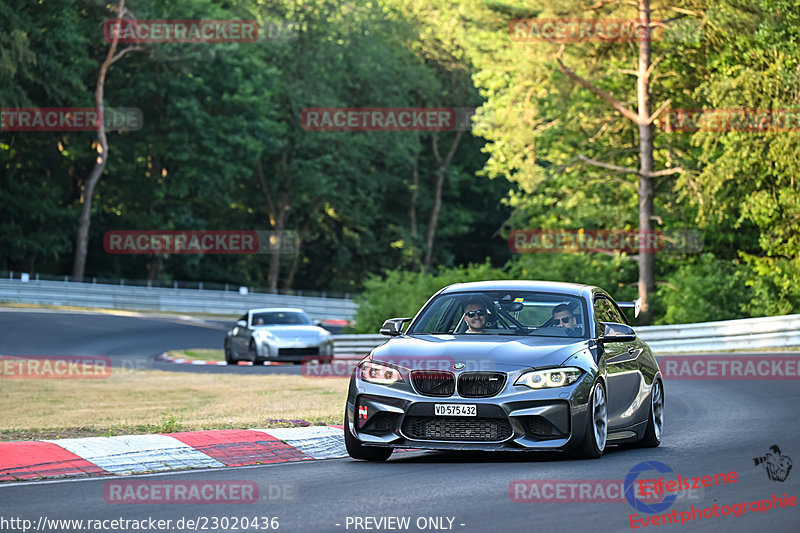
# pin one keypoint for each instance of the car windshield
(519, 313)
(281, 318)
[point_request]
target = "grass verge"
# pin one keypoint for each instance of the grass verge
(198, 354)
(149, 401)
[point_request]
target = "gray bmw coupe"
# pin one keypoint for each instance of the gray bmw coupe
(504, 366)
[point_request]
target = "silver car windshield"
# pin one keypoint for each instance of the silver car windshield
(281, 318)
(518, 313)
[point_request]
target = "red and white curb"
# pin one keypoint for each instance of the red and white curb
(138, 454)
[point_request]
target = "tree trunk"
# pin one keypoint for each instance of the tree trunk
(289, 281)
(441, 170)
(154, 266)
(280, 227)
(412, 202)
(278, 211)
(412, 214)
(646, 255)
(82, 240)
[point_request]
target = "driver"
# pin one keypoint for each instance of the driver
(563, 318)
(475, 314)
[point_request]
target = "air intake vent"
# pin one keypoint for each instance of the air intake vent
(456, 429)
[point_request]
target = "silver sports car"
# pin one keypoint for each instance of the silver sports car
(503, 366)
(276, 334)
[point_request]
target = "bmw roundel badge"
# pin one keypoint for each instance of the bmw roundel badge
(459, 366)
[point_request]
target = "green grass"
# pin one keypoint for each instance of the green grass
(198, 354)
(152, 401)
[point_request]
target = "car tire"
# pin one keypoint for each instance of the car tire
(253, 353)
(594, 438)
(356, 450)
(655, 420)
(229, 353)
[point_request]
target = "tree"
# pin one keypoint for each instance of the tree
(543, 122)
(112, 56)
(749, 179)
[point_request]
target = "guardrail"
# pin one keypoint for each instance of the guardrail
(164, 299)
(725, 335)
(744, 334)
(350, 345)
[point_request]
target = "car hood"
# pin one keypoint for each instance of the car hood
(292, 331)
(489, 352)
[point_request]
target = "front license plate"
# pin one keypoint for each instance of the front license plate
(455, 409)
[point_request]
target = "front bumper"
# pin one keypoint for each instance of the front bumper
(293, 351)
(516, 419)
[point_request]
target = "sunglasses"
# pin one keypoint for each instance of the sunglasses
(564, 320)
(473, 314)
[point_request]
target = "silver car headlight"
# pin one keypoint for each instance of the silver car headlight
(263, 335)
(372, 372)
(550, 378)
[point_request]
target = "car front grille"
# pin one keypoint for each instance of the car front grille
(313, 350)
(434, 383)
(480, 384)
(457, 429)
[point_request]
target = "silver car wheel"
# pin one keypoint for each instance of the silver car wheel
(599, 417)
(657, 409)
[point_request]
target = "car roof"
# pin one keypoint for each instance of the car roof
(276, 310)
(574, 289)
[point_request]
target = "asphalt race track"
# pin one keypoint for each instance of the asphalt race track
(131, 342)
(711, 427)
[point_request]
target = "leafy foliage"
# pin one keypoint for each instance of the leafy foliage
(216, 113)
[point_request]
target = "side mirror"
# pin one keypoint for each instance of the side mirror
(615, 332)
(242, 323)
(393, 327)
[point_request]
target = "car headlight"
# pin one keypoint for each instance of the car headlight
(550, 378)
(380, 374)
(263, 334)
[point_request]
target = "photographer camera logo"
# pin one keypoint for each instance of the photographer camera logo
(778, 466)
